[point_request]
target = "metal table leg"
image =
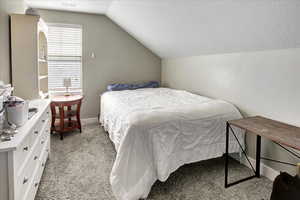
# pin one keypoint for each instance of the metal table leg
(258, 152)
(226, 155)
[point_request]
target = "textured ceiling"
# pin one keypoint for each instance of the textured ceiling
(177, 28)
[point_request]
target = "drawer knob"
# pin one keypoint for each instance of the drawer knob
(42, 142)
(25, 180)
(43, 121)
(36, 132)
(47, 150)
(25, 148)
(35, 157)
(43, 164)
(36, 184)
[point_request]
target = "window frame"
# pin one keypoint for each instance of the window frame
(59, 91)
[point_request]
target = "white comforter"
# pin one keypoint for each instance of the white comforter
(155, 131)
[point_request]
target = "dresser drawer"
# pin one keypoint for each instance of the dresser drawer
(33, 187)
(46, 130)
(43, 159)
(28, 181)
(45, 118)
(36, 143)
(25, 148)
(42, 140)
(36, 158)
(32, 190)
(23, 151)
(26, 177)
(46, 115)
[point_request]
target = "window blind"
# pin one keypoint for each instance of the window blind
(64, 56)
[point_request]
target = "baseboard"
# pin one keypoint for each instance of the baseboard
(87, 121)
(265, 170)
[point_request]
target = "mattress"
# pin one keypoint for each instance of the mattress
(157, 130)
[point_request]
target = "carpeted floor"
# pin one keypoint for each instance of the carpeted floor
(80, 165)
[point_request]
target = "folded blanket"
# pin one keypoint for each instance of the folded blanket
(120, 86)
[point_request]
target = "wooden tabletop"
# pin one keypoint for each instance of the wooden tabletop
(274, 130)
(64, 98)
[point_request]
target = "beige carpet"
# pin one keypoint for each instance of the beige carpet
(80, 165)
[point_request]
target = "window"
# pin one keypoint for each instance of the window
(64, 56)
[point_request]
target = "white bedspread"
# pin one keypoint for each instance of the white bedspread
(155, 131)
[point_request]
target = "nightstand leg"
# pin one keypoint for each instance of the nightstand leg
(62, 121)
(78, 121)
(52, 125)
(69, 110)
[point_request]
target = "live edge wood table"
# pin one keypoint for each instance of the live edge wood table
(278, 132)
(65, 114)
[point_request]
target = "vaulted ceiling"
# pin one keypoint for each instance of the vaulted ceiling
(177, 28)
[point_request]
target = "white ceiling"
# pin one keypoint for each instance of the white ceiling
(87, 6)
(177, 28)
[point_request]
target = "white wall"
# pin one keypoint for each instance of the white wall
(259, 83)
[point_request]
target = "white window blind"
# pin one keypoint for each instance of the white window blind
(64, 56)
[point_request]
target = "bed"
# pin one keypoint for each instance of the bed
(157, 130)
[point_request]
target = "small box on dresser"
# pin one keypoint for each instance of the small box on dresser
(23, 159)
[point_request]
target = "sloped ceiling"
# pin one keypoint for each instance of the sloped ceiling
(178, 28)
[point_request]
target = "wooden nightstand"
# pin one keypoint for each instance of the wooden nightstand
(66, 114)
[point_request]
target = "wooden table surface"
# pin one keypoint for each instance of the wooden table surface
(64, 98)
(274, 130)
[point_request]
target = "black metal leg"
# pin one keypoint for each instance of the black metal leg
(258, 157)
(258, 148)
(258, 151)
(226, 155)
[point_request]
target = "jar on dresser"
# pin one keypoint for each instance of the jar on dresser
(23, 159)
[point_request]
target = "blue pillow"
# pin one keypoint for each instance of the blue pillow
(119, 86)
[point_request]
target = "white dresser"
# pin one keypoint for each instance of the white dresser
(23, 159)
